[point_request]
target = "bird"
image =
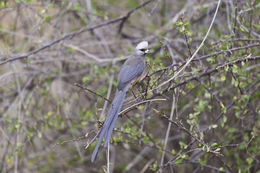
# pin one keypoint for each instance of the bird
(132, 69)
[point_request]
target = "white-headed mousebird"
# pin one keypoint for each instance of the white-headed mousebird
(132, 69)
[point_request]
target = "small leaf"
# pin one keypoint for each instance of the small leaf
(257, 26)
(223, 77)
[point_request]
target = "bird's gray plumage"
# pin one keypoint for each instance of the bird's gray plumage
(132, 68)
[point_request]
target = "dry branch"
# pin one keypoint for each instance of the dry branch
(72, 34)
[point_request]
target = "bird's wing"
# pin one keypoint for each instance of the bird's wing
(131, 69)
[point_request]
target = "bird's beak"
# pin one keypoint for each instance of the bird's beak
(147, 51)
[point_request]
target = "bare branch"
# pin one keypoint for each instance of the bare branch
(72, 34)
(89, 90)
(195, 53)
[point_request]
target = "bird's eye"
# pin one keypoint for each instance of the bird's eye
(142, 50)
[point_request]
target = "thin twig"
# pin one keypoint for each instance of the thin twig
(168, 129)
(205, 73)
(72, 34)
(137, 104)
(89, 90)
(127, 15)
(195, 53)
(108, 146)
(186, 37)
(178, 124)
(72, 140)
(171, 114)
(143, 120)
(226, 51)
(108, 95)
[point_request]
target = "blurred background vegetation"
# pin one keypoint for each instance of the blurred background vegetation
(208, 115)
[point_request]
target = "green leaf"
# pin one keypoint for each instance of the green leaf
(19, 144)
(221, 169)
(213, 126)
(249, 160)
(39, 134)
(223, 77)
(257, 26)
(76, 6)
(2, 4)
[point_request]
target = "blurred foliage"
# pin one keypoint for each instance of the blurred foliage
(46, 121)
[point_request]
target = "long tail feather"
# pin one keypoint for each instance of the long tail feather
(112, 115)
(111, 126)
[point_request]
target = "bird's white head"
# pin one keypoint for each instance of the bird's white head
(142, 48)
